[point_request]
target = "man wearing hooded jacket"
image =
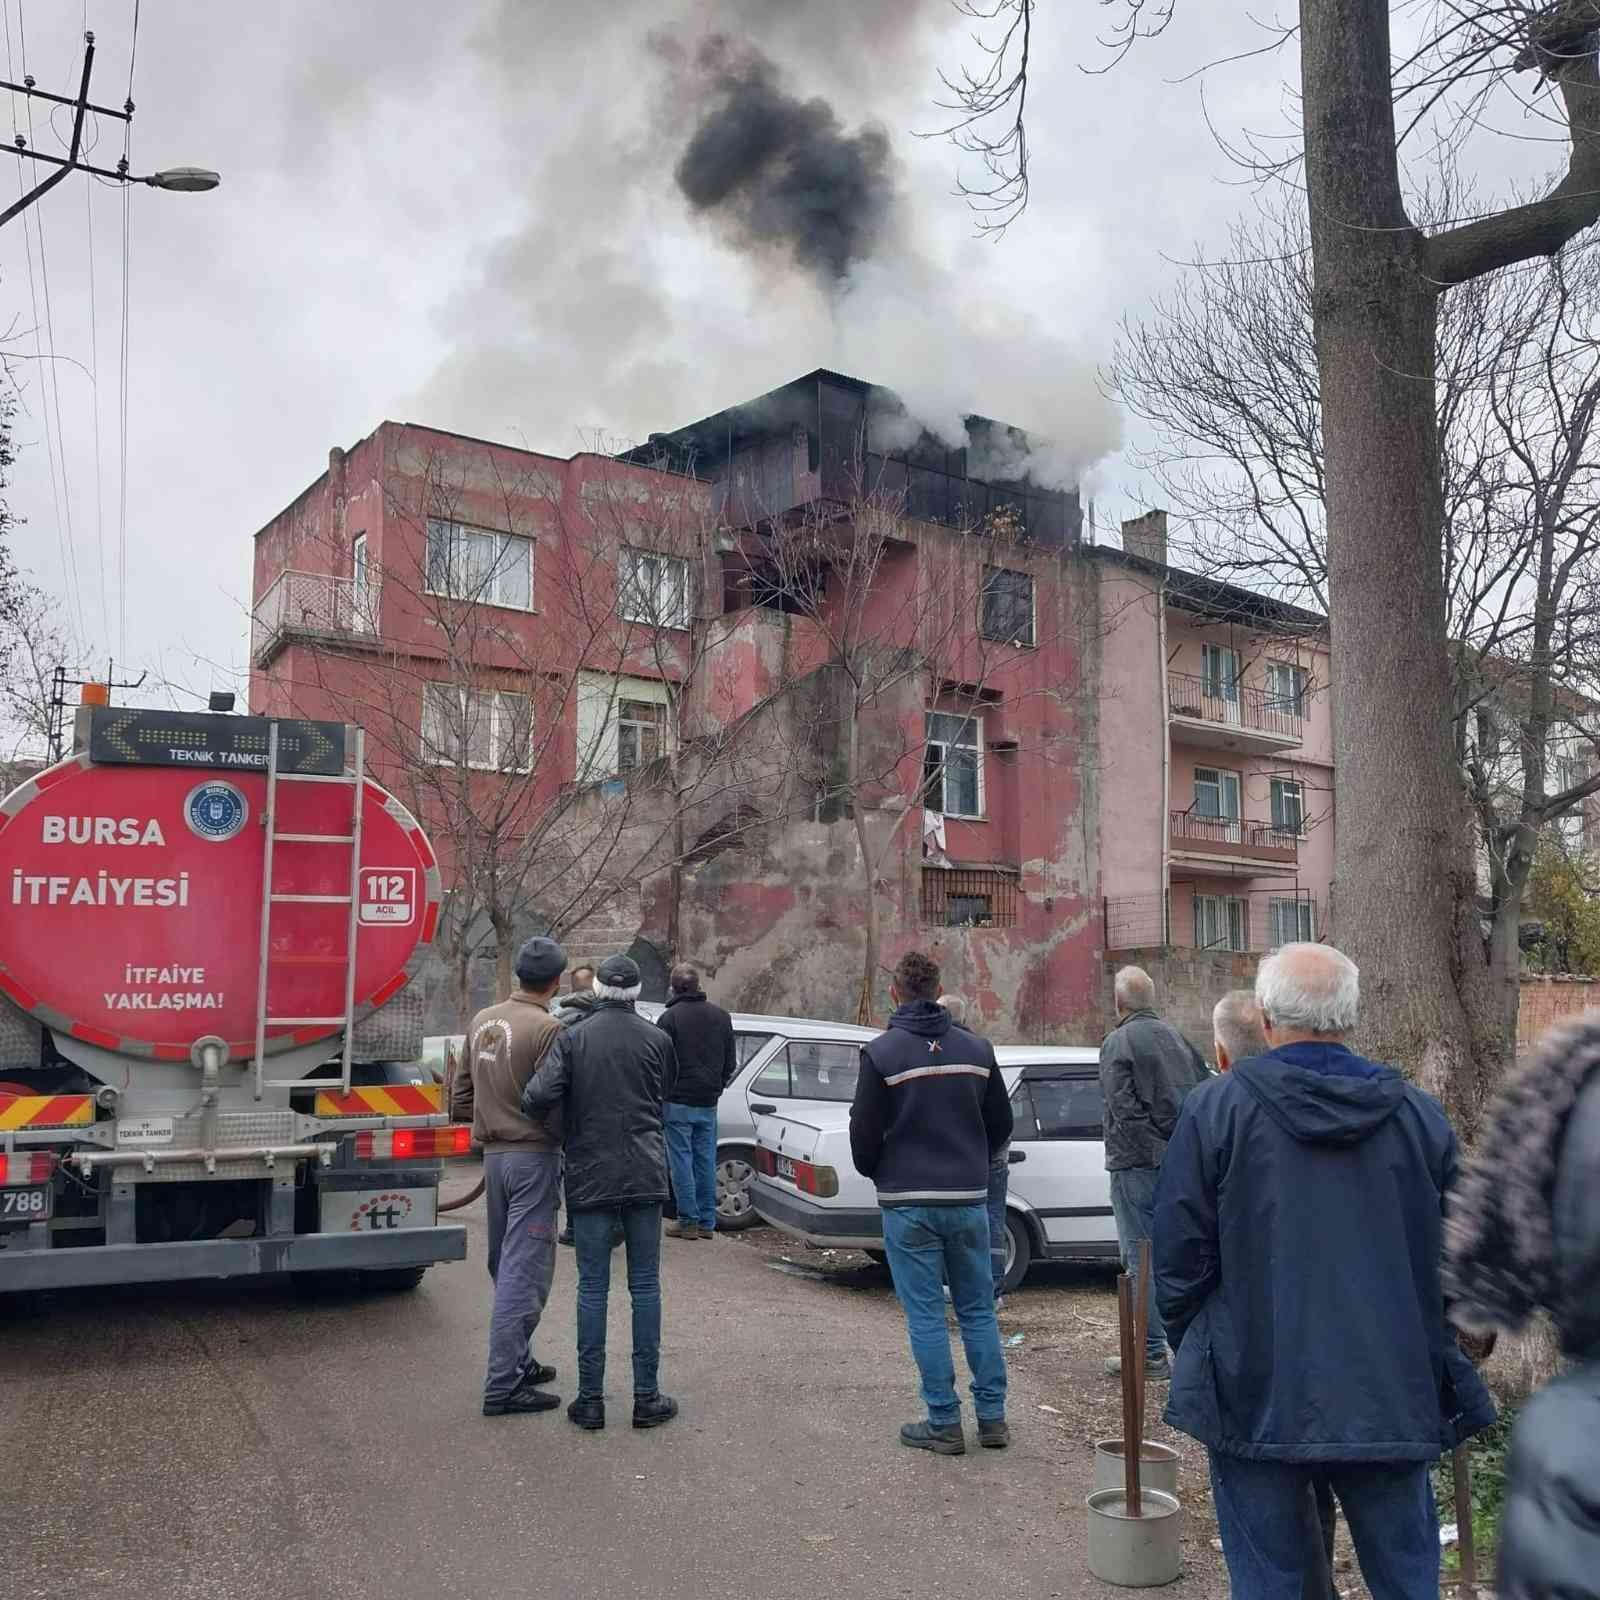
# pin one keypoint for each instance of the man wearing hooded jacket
(1298, 1224)
(930, 1113)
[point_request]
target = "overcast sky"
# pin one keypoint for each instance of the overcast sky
(466, 215)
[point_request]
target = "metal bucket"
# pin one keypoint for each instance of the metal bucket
(1134, 1552)
(1158, 1466)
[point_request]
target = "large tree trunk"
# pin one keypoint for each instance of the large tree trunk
(1404, 892)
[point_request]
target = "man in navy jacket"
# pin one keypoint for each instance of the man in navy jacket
(930, 1112)
(1297, 1245)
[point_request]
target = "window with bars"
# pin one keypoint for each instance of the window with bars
(968, 897)
(653, 589)
(1291, 919)
(1008, 606)
(478, 564)
(489, 729)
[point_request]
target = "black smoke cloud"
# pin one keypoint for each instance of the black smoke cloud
(782, 173)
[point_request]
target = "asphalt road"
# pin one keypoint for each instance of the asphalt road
(215, 1441)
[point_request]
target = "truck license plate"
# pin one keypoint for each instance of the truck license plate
(27, 1203)
(377, 1210)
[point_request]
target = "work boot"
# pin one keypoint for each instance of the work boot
(521, 1401)
(705, 1233)
(679, 1229)
(950, 1441)
(1158, 1370)
(994, 1434)
(651, 1410)
(588, 1412)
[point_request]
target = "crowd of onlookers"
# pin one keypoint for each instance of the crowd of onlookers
(1314, 1248)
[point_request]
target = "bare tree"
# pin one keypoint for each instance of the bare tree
(33, 644)
(1224, 371)
(1407, 901)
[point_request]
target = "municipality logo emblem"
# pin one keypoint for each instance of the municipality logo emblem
(214, 810)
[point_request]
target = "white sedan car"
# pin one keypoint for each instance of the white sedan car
(1059, 1204)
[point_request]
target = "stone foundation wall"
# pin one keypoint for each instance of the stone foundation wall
(1188, 984)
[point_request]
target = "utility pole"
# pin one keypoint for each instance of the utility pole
(59, 683)
(188, 180)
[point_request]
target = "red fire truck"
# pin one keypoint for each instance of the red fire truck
(209, 930)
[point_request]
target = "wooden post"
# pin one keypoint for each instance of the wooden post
(1130, 1380)
(1461, 1462)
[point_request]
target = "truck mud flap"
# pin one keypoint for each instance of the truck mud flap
(228, 1258)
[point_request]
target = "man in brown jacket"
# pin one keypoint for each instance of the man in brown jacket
(521, 1170)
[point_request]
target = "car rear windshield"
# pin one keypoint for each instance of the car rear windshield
(808, 1069)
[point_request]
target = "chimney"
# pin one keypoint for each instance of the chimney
(336, 471)
(1146, 536)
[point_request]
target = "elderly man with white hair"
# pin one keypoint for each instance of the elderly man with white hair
(1297, 1246)
(1236, 1032)
(1146, 1068)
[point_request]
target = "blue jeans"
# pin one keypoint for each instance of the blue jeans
(692, 1152)
(1133, 1204)
(999, 1181)
(520, 1188)
(1268, 1521)
(592, 1232)
(927, 1246)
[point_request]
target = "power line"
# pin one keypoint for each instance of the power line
(94, 396)
(122, 467)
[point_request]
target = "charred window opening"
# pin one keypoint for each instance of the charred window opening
(1008, 606)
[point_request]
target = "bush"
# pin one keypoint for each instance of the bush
(1488, 1461)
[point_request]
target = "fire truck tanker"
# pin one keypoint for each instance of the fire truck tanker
(209, 930)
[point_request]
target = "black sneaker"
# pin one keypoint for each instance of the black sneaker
(588, 1413)
(995, 1435)
(536, 1375)
(949, 1441)
(651, 1410)
(521, 1401)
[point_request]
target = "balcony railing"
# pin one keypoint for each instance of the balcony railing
(1237, 705)
(1256, 921)
(312, 605)
(1232, 836)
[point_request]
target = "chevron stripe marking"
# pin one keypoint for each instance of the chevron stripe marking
(45, 1111)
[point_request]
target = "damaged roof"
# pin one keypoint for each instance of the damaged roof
(1214, 600)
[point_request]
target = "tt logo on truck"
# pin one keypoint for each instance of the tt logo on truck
(381, 1213)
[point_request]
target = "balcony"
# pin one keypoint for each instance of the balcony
(1237, 716)
(313, 608)
(1231, 845)
(1251, 923)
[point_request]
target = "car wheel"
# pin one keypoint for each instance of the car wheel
(393, 1279)
(736, 1182)
(1019, 1252)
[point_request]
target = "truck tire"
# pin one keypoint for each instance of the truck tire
(393, 1280)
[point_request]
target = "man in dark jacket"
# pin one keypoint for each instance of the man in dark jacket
(1146, 1069)
(1297, 1252)
(702, 1036)
(610, 1077)
(930, 1112)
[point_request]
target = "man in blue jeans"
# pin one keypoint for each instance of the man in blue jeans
(929, 1114)
(702, 1036)
(1297, 1241)
(610, 1078)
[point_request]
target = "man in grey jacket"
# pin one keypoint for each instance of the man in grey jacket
(1146, 1069)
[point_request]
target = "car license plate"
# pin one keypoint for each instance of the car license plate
(26, 1203)
(786, 1168)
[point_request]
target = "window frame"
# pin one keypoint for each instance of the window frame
(940, 773)
(361, 588)
(462, 757)
(1282, 785)
(1294, 702)
(497, 572)
(1226, 903)
(660, 725)
(1001, 637)
(1223, 789)
(1081, 1133)
(1221, 688)
(1305, 920)
(629, 588)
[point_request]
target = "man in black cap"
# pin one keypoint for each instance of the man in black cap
(609, 1079)
(521, 1172)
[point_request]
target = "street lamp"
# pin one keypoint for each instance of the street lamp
(180, 180)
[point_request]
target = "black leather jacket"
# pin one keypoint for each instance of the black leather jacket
(611, 1077)
(1550, 1536)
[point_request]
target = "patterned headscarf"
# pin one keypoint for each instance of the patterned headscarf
(1500, 1263)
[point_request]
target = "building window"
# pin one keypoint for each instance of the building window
(1290, 920)
(1219, 676)
(476, 564)
(952, 765)
(363, 611)
(1007, 606)
(1288, 807)
(969, 897)
(1286, 688)
(1215, 813)
(488, 729)
(1221, 922)
(641, 733)
(653, 589)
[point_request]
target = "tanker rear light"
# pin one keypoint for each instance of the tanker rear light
(412, 1144)
(37, 1166)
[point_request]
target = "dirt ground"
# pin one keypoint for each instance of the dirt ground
(1059, 1328)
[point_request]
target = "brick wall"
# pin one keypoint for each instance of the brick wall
(1547, 1001)
(1188, 984)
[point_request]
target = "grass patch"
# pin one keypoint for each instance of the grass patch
(1488, 1456)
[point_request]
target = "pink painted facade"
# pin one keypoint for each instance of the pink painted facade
(1216, 763)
